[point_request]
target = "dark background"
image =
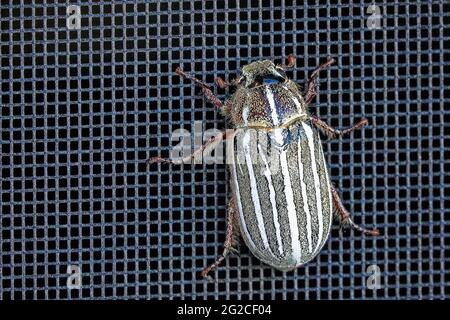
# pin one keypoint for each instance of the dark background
(81, 110)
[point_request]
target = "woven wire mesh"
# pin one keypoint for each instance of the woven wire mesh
(82, 109)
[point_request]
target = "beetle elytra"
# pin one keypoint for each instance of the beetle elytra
(282, 201)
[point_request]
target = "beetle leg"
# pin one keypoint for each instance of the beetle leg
(197, 155)
(230, 239)
(209, 95)
(311, 83)
(344, 215)
(333, 132)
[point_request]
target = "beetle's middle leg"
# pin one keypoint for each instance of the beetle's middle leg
(197, 155)
(230, 238)
(344, 215)
(332, 132)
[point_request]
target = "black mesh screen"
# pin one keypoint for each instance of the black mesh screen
(82, 108)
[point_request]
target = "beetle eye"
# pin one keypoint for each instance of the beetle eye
(271, 79)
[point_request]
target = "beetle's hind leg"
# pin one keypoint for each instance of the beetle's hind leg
(333, 132)
(344, 215)
(231, 239)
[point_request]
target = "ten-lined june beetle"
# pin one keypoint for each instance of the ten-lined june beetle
(282, 202)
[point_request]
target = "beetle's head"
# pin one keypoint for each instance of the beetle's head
(260, 73)
(265, 98)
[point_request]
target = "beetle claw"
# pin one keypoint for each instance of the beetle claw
(152, 160)
(348, 222)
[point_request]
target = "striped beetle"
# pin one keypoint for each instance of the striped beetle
(283, 215)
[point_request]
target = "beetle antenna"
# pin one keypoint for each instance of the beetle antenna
(290, 63)
(222, 84)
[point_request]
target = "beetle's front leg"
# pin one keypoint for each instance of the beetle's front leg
(197, 155)
(206, 91)
(333, 132)
(344, 215)
(230, 238)
(311, 84)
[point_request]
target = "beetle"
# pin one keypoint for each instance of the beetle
(284, 214)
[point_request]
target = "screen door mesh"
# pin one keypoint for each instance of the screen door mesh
(84, 104)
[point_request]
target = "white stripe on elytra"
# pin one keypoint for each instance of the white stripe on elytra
(292, 214)
(254, 190)
(272, 106)
(239, 203)
(273, 202)
(245, 113)
(297, 103)
(330, 219)
(304, 196)
(310, 138)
